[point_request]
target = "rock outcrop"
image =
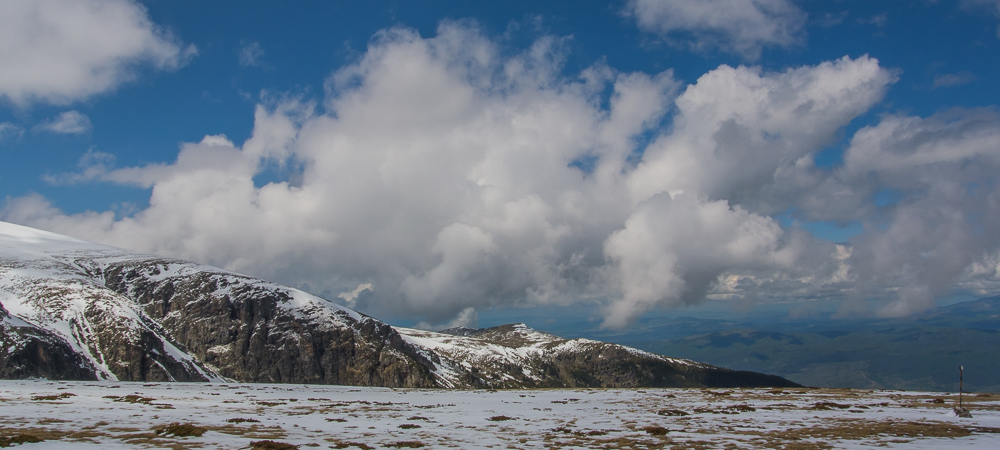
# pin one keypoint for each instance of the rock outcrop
(30, 352)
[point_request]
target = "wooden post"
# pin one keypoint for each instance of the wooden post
(960, 411)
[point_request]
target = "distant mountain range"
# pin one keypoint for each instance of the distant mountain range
(71, 309)
(921, 352)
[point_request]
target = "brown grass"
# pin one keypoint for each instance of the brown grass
(262, 403)
(822, 406)
(242, 420)
(180, 430)
(272, 445)
(864, 429)
(406, 444)
(18, 439)
(131, 398)
(345, 444)
(49, 398)
(655, 430)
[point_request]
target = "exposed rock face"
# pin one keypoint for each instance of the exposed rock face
(251, 331)
(30, 352)
(79, 310)
(138, 317)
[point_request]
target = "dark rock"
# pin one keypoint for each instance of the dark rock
(30, 352)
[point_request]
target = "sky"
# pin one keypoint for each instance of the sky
(433, 163)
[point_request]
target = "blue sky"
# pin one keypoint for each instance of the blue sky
(433, 161)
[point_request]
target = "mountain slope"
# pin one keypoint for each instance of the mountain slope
(136, 317)
(515, 355)
(71, 309)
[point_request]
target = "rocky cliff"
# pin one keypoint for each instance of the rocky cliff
(71, 309)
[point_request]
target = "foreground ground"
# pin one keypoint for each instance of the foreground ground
(231, 416)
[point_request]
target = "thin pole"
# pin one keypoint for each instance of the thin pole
(961, 370)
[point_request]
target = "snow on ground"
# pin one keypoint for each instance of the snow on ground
(124, 415)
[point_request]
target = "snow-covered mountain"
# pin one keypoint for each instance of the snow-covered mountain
(515, 355)
(71, 309)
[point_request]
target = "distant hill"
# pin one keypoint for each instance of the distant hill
(71, 309)
(921, 352)
(516, 356)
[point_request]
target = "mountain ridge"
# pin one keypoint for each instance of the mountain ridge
(116, 314)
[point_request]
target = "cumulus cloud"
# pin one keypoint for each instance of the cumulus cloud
(69, 122)
(444, 175)
(59, 51)
(943, 167)
(742, 27)
(673, 248)
(737, 128)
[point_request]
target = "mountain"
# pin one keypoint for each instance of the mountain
(137, 317)
(71, 309)
(511, 356)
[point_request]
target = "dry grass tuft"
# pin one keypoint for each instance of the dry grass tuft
(18, 439)
(822, 406)
(180, 430)
(131, 398)
(499, 418)
(345, 444)
(242, 420)
(655, 430)
(406, 444)
(272, 445)
(48, 398)
(866, 429)
(263, 403)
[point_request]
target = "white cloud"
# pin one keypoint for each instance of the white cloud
(944, 167)
(467, 318)
(953, 79)
(441, 172)
(743, 27)
(737, 128)
(351, 298)
(59, 51)
(69, 122)
(251, 54)
(93, 166)
(10, 131)
(673, 248)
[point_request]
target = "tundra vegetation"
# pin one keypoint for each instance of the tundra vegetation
(284, 416)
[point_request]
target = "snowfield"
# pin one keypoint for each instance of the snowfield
(231, 416)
